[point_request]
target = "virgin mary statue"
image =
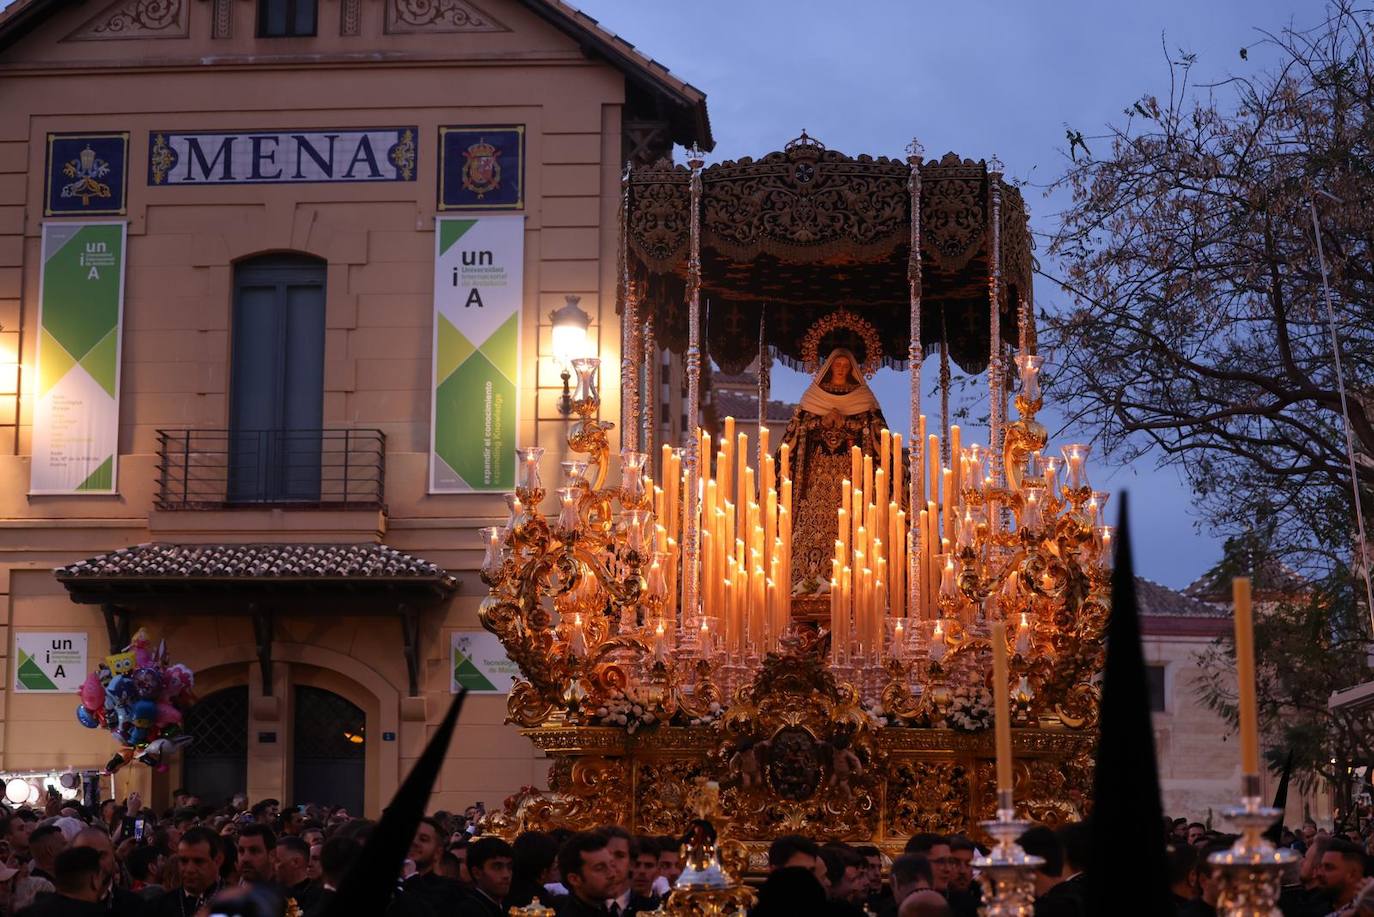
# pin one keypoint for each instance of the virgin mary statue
(838, 411)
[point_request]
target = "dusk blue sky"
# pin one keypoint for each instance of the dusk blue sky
(978, 78)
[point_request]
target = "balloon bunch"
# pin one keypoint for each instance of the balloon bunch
(141, 699)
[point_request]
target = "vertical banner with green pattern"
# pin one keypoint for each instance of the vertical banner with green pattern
(478, 298)
(80, 307)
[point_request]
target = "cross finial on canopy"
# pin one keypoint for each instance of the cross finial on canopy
(695, 158)
(915, 149)
(994, 164)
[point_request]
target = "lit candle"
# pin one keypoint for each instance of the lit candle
(1075, 466)
(937, 642)
(785, 462)
(1023, 634)
(1245, 676)
(577, 642)
(1001, 691)
(856, 466)
(1107, 551)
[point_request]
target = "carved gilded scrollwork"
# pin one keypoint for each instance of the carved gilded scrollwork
(927, 796)
(778, 760)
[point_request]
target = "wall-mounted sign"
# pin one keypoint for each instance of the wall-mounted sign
(80, 306)
(49, 663)
(281, 156)
(478, 297)
(482, 168)
(86, 175)
(479, 663)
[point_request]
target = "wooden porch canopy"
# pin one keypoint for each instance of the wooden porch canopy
(261, 581)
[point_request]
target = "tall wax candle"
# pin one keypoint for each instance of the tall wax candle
(1001, 695)
(1245, 676)
(955, 448)
(947, 490)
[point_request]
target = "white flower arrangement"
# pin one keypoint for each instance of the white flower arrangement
(626, 711)
(876, 714)
(970, 708)
(714, 712)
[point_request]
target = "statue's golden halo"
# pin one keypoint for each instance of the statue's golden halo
(843, 318)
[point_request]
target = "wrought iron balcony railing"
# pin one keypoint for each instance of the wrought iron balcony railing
(215, 469)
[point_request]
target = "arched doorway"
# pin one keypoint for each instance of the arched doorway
(330, 749)
(215, 764)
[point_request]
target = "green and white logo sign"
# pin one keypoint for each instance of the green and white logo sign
(81, 303)
(478, 297)
(480, 664)
(50, 663)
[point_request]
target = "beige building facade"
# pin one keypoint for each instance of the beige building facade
(365, 644)
(1197, 751)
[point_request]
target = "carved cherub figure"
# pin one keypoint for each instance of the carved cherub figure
(747, 763)
(845, 766)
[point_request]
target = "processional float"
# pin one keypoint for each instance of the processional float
(667, 641)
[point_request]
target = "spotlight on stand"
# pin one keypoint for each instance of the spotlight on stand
(570, 341)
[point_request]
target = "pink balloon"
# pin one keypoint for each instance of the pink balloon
(92, 692)
(167, 715)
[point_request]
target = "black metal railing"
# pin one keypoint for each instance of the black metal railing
(214, 469)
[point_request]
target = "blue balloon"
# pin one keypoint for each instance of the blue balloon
(145, 712)
(86, 718)
(122, 689)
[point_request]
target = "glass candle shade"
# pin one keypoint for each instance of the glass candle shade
(1031, 507)
(574, 472)
(1096, 507)
(527, 470)
(586, 396)
(492, 537)
(949, 580)
(658, 575)
(568, 519)
(636, 539)
(1051, 475)
(974, 471)
(937, 644)
(1028, 365)
(515, 510)
(632, 476)
(1106, 546)
(1076, 465)
(968, 529)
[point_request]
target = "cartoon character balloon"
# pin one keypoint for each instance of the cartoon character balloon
(141, 700)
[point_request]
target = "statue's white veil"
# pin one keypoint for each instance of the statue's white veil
(817, 400)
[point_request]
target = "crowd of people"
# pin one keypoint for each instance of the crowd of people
(123, 860)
